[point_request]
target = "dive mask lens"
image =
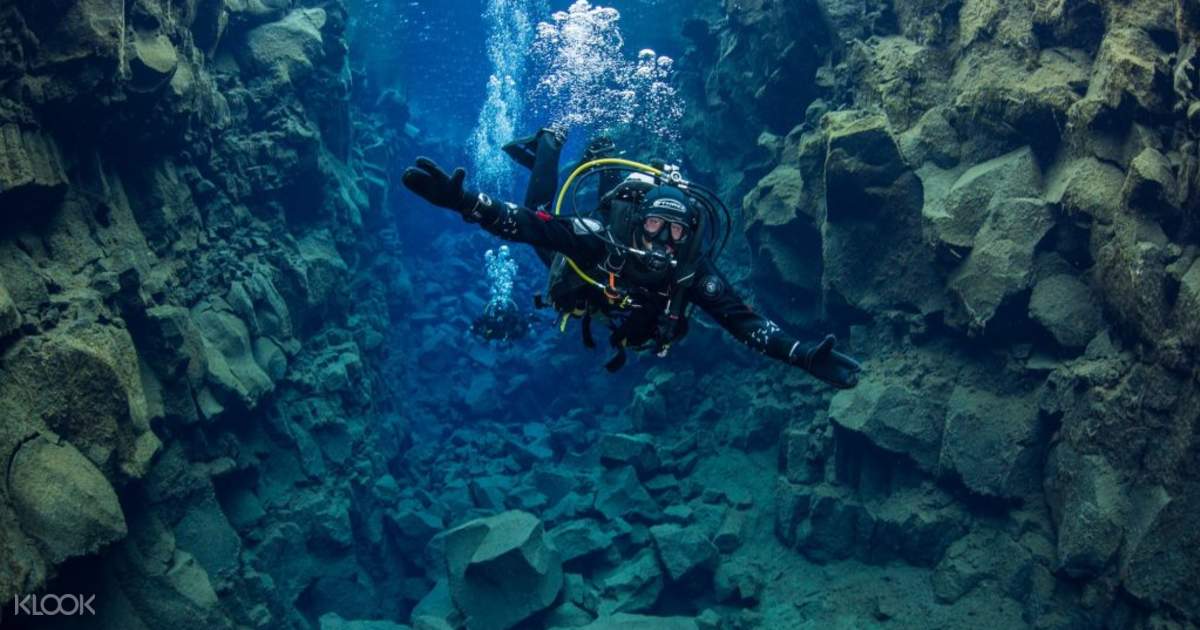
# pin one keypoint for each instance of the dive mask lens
(679, 232)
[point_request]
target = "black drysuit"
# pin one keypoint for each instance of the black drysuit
(710, 290)
(582, 242)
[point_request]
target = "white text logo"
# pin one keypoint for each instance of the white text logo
(53, 605)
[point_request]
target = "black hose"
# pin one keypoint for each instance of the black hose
(575, 202)
(598, 170)
(724, 209)
(711, 202)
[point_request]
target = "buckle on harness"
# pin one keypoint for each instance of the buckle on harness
(615, 295)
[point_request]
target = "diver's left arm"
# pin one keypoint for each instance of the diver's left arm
(713, 293)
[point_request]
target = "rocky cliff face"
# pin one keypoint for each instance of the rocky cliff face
(998, 201)
(189, 329)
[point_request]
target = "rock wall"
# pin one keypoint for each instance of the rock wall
(192, 239)
(997, 203)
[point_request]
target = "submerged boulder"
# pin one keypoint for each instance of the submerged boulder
(1150, 186)
(1160, 565)
(160, 585)
(436, 608)
(83, 383)
(286, 50)
(983, 556)
(415, 524)
(683, 550)
(634, 586)
(568, 615)
(1086, 186)
(207, 534)
(837, 526)
(932, 139)
(1088, 500)
(1000, 266)
(154, 60)
(917, 524)
(1188, 305)
(1129, 73)
(1066, 308)
(233, 371)
(648, 410)
(1006, 98)
(739, 581)
(729, 536)
(1131, 275)
(62, 500)
(620, 495)
(501, 570)
(324, 271)
(259, 9)
(776, 199)
(578, 539)
(862, 168)
(893, 416)
(873, 218)
(10, 317)
(783, 227)
(968, 203)
(991, 443)
(32, 172)
(88, 31)
(620, 449)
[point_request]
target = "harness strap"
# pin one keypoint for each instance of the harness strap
(611, 291)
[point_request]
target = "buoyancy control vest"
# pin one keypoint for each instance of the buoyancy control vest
(642, 310)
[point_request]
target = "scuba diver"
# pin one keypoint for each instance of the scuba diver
(501, 320)
(640, 263)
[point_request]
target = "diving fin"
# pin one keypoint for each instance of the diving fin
(524, 151)
(601, 146)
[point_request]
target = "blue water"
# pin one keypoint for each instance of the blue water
(474, 74)
(474, 80)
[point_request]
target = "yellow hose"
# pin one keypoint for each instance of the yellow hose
(562, 194)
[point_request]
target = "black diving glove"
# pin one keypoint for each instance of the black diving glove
(432, 184)
(829, 365)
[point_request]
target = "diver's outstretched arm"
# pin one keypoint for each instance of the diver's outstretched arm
(574, 237)
(713, 293)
